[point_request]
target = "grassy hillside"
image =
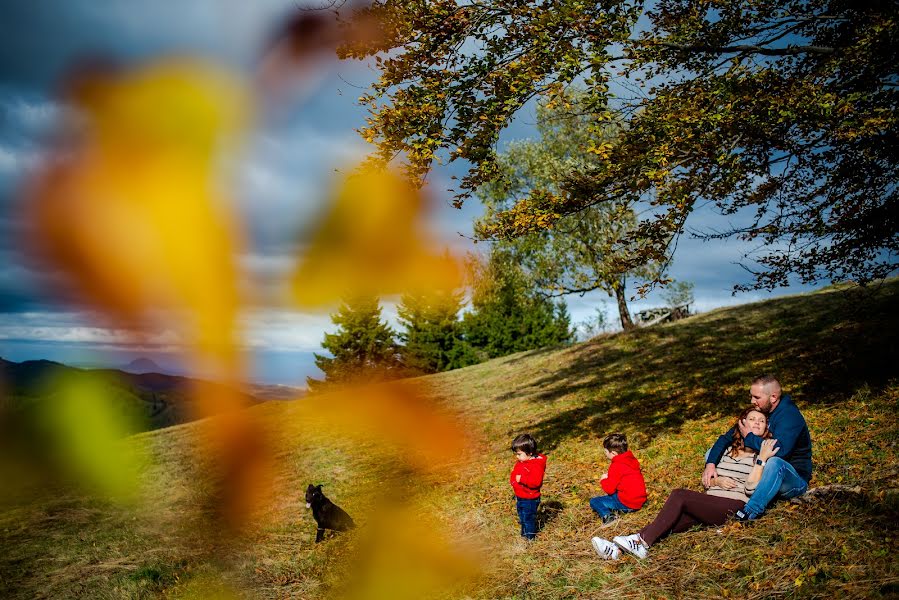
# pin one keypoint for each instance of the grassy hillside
(672, 389)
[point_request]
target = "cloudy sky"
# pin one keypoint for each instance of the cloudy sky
(280, 179)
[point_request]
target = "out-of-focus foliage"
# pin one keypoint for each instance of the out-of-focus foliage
(69, 426)
(432, 334)
(679, 293)
(578, 253)
(362, 349)
(413, 426)
(372, 240)
(593, 325)
(508, 313)
(779, 114)
(126, 204)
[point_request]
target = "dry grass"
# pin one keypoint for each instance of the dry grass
(672, 389)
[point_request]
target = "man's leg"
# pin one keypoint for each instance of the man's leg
(779, 480)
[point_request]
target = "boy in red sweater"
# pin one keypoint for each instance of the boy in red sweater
(526, 479)
(623, 482)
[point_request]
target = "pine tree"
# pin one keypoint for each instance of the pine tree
(433, 331)
(363, 348)
(508, 313)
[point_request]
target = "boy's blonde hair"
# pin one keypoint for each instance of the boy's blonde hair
(615, 442)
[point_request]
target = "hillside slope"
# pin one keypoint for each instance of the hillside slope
(672, 389)
(154, 399)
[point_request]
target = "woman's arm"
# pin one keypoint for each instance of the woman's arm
(766, 451)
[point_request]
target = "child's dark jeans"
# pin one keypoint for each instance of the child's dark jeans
(527, 516)
(605, 505)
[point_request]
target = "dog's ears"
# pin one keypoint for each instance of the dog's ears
(319, 486)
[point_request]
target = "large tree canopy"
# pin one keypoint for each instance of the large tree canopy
(781, 114)
(580, 252)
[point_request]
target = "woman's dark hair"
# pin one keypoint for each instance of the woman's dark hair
(737, 444)
(526, 444)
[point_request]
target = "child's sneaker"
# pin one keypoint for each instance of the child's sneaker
(605, 548)
(609, 520)
(633, 544)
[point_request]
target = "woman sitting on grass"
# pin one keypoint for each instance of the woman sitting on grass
(738, 473)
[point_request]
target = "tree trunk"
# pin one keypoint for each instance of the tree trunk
(626, 323)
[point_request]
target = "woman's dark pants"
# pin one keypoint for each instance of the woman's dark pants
(685, 509)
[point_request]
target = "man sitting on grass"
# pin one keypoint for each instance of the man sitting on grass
(784, 476)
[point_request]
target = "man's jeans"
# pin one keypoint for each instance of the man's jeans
(779, 480)
(527, 516)
(605, 505)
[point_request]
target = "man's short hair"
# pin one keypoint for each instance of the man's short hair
(769, 383)
(615, 442)
(526, 444)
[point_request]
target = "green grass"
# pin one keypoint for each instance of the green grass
(672, 389)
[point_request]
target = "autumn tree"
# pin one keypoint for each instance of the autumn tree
(580, 252)
(432, 335)
(362, 349)
(780, 114)
(508, 313)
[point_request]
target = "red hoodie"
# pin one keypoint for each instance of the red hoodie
(531, 471)
(626, 479)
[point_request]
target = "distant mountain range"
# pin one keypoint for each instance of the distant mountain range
(162, 399)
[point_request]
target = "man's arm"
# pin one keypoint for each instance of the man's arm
(714, 457)
(720, 447)
(753, 442)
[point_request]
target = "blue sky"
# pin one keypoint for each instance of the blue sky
(280, 179)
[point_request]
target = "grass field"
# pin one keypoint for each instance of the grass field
(672, 389)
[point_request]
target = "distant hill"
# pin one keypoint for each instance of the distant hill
(142, 365)
(163, 400)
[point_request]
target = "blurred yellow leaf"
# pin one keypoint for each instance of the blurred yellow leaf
(127, 206)
(372, 241)
(131, 211)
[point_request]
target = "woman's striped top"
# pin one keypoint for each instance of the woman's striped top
(737, 469)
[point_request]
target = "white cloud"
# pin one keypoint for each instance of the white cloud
(284, 330)
(35, 116)
(17, 162)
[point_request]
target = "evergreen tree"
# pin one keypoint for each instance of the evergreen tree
(432, 331)
(508, 313)
(363, 348)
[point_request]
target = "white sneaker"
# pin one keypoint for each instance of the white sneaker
(605, 548)
(633, 544)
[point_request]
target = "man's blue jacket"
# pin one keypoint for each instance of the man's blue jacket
(788, 426)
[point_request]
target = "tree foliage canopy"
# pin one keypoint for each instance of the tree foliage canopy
(781, 114)
(580, 252)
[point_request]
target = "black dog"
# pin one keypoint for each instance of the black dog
(327, 515)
